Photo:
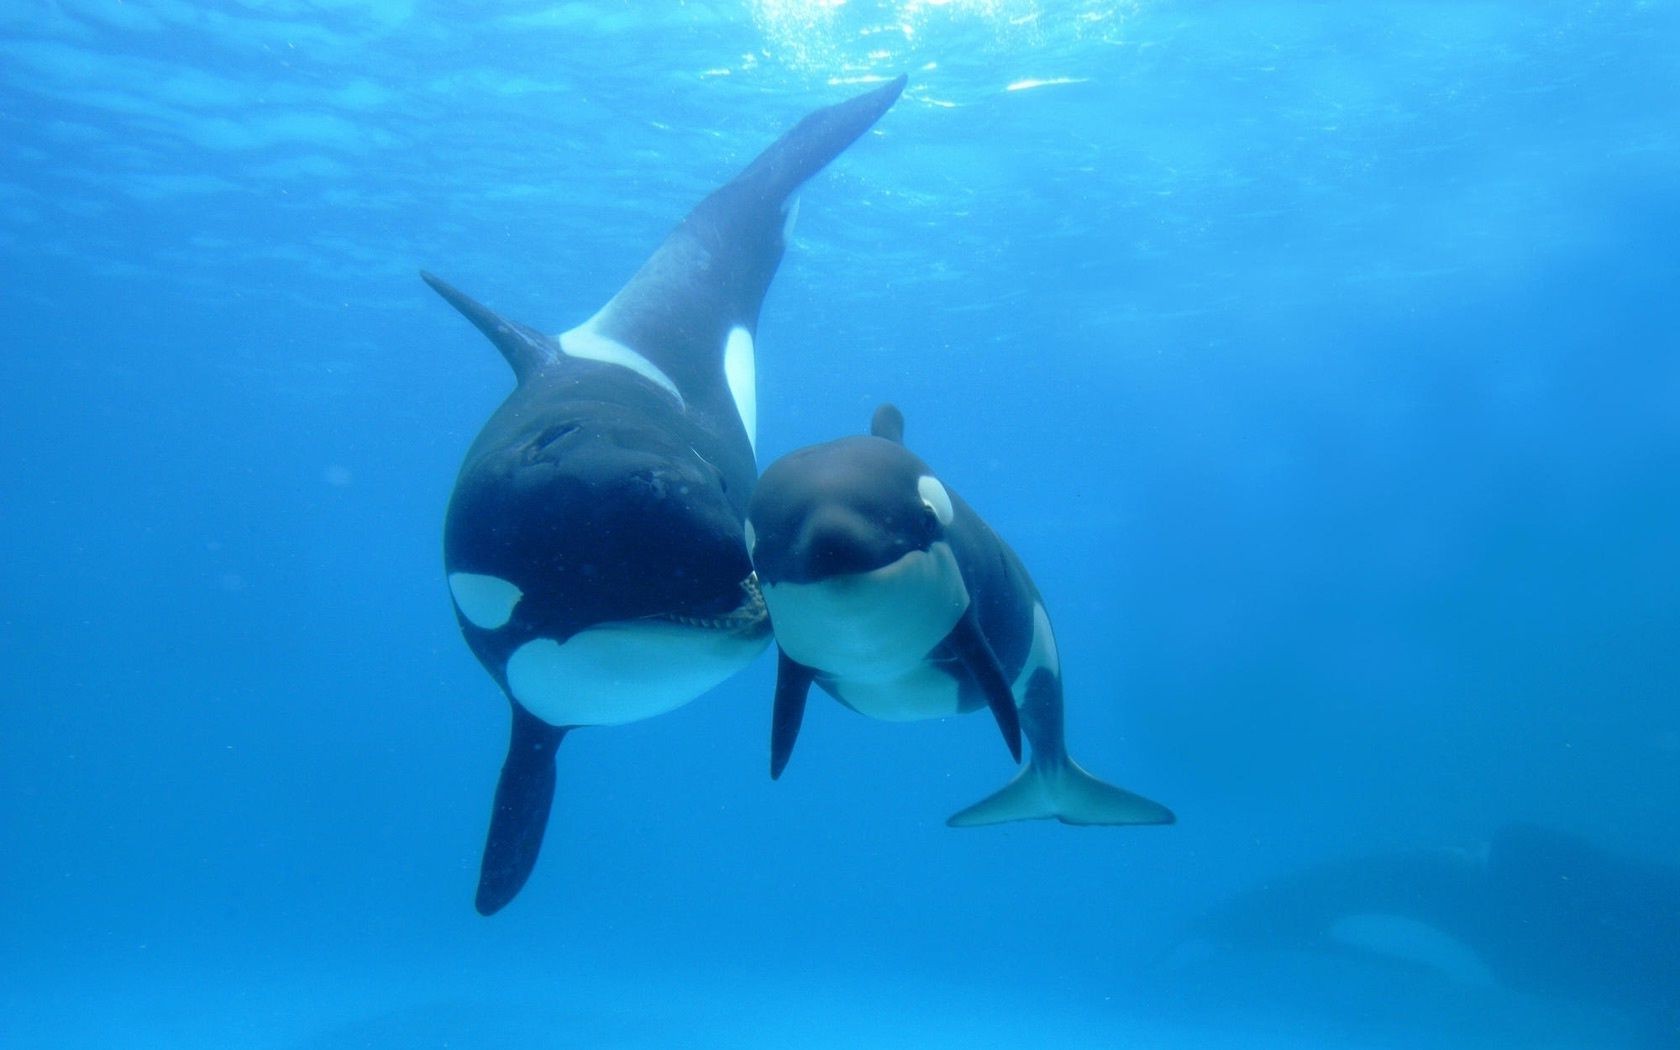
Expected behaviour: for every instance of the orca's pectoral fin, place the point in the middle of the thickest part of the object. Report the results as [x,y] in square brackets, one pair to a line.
[971,647]
[525,348]
[519,815]
[793,685]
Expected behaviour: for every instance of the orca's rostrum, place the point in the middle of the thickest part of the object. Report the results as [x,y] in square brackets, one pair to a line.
[593,542]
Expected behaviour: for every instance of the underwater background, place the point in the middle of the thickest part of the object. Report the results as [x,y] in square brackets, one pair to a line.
[1322,361]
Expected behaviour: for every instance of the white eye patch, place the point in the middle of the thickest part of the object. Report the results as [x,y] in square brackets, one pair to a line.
[486,601]
[752,539]
[935,498]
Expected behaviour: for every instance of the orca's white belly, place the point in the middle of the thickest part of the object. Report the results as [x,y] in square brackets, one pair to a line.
[614,673]
[923,692]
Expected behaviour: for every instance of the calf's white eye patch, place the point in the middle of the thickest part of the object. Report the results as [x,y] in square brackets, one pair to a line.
[752,539]
[935,498]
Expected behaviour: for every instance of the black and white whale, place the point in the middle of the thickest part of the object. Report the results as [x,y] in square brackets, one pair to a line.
[593,542]
[1531,910]
[889,592]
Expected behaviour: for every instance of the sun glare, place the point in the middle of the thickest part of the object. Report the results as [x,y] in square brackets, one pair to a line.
[857,40]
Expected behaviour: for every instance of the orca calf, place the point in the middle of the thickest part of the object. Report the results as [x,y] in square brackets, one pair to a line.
[887,591]
[593,542]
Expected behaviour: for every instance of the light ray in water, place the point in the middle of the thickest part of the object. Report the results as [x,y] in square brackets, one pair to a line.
[1030,82]
[848,37]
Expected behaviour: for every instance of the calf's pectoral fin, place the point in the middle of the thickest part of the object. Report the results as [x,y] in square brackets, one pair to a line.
[519,815]
[793,685]
[971,648]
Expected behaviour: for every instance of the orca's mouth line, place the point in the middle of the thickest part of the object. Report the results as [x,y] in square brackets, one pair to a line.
[751,613]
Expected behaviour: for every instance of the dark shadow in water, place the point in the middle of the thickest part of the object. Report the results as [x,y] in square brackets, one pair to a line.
[1539,932]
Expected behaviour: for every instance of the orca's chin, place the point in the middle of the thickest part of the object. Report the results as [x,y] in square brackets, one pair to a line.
[871,626]
[626,670]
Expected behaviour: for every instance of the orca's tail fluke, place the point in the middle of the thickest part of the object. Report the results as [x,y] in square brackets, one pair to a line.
[1059,789]
[711,273]
[743,225]
[815,141]
[519,816]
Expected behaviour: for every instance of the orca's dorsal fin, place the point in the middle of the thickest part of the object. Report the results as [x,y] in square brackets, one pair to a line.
[888,423]
[525,348]
[680,311]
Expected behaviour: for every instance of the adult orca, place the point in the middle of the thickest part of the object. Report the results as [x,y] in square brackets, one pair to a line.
[593,542]
[1531,910]
[890,593]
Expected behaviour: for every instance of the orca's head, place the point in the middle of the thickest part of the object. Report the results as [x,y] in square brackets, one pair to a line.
[594,528]
[846,507]
[849,541]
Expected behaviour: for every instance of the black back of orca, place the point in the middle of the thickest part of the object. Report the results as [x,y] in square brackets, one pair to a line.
[605,498]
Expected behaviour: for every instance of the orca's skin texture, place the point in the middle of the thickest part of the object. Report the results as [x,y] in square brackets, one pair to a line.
[593,541]
[891,594]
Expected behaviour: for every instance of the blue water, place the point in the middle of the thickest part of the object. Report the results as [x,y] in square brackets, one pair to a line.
[1319,359]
